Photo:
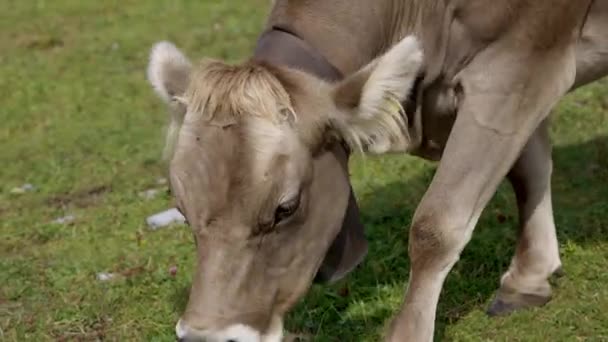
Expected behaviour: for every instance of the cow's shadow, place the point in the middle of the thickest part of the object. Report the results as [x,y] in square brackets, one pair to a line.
[580,188]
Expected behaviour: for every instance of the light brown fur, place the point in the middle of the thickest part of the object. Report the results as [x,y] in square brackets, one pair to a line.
[490,82]
[223,94]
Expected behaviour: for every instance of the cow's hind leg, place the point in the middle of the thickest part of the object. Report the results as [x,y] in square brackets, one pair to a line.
[526,283]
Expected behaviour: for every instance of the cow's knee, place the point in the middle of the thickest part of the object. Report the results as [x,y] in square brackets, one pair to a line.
[437,236]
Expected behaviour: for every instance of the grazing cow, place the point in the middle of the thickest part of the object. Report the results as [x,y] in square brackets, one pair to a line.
[258,151]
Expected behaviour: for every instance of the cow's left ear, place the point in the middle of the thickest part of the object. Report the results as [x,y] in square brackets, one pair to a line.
[370,113]
[168,70]
[169,75]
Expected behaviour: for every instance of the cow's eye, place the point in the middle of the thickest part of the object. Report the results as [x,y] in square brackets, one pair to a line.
[286,209]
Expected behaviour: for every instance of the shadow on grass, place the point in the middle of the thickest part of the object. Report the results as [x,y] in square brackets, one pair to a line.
[580,197]
[180,298]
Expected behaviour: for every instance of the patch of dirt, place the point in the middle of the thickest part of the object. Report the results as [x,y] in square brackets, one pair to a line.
[297,337]
[344,291]
[133,271]
[3,299]
[93,331]
[604,104]
[500,216]
[81,199]
[3,209]
[122,271]
[41,42]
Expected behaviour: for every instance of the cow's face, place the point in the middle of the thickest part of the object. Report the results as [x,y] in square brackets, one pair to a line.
[255,171]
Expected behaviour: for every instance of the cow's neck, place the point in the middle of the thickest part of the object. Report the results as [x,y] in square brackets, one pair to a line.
[331,39]
[349,33]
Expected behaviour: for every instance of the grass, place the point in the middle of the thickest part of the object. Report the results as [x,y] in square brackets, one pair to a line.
[80,123]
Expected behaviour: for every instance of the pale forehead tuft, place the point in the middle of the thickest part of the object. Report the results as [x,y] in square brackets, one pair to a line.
[223,94]
[249,96]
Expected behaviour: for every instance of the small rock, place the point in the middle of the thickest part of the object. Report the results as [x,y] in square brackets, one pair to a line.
[115,46]
[161,181]
[105,276]
[64,220]
[149,194]
[27,187]
[165,218]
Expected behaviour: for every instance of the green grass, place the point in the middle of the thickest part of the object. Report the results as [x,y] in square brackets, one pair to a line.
[80,123]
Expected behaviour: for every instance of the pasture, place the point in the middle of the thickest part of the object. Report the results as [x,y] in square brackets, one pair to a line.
[81,124]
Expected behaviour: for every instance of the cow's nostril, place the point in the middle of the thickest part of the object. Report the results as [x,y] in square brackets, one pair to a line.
[232,340]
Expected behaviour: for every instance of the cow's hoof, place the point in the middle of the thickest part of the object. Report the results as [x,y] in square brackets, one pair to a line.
[506,303]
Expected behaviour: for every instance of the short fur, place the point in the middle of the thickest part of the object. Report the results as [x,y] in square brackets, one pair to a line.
[492,73]
[224,94]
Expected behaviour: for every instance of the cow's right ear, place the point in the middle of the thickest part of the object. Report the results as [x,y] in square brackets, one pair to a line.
[168,71]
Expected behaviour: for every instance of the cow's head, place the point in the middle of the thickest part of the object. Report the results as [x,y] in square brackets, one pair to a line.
[256,171]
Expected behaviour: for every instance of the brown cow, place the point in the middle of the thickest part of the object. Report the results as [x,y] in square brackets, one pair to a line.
[258,151]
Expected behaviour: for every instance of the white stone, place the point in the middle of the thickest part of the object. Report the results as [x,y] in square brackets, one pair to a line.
[165,218]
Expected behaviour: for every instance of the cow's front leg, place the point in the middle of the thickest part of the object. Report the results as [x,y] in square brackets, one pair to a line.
[536,258]
[499,112]
[474,163]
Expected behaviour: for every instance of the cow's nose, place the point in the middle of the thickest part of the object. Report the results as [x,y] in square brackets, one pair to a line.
[185,334]
[184,339]
[232,333]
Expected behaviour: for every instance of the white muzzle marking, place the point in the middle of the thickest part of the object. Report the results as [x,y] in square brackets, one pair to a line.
[235,332]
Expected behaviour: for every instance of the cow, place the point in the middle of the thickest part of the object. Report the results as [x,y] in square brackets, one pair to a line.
[258,151]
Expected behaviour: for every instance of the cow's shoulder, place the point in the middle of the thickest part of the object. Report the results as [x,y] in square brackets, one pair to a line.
[534,23]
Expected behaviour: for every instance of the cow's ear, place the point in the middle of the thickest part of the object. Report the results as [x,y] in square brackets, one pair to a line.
[369,102]
[168,71]
[169,74]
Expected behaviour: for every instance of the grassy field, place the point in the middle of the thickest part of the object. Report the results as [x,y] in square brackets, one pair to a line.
[80,123]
